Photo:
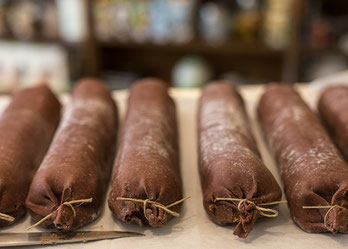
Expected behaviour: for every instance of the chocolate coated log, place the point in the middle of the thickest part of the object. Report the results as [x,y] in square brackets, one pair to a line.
[312,169]
[229,162]
[147,164]
[333,109]
[26,130]
[79,161]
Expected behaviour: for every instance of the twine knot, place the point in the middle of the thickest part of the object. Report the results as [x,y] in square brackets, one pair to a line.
[156,204]
[67,203]
[6,217]
[330,208]
[267,212]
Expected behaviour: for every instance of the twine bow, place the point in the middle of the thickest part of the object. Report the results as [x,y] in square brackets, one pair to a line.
[330,208]
[156,204]
[267,212]
[6,217]
[67,203]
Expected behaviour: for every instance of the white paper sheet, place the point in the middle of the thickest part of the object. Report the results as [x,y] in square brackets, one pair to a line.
[193,229]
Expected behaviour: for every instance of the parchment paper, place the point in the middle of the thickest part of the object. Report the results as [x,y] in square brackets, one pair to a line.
[193,229]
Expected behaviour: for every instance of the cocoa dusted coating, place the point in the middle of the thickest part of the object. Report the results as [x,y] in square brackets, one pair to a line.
[312,169]
[333,109]
[79,161]
[27,127]
[147,164]
[229,162]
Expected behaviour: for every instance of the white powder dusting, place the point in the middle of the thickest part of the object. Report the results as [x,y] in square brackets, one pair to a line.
[81,115]
[148,134]
[224,132]
[90,107]
[298,139]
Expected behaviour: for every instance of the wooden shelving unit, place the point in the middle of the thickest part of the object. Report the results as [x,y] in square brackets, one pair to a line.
[335,15]
[159,60]
[232,47]
[253,60]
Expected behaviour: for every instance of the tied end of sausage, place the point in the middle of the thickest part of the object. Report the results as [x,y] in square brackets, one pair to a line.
[322,209]
[133,213]
[337,220]
[226,213]
[14,209]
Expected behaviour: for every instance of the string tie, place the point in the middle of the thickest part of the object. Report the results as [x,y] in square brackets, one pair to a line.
[267,212]
[330,208]
[6,217]
[156,204]
[67,203]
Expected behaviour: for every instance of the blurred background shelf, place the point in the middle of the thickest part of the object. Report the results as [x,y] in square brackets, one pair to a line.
[36,40]
[158,60]
[236,40]
[201,47]
[185,42]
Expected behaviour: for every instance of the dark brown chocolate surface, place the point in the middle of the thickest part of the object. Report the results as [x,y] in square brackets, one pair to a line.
[312,169]
[333,109]
[27,127]
[147,164]
[79,161]
[229,162]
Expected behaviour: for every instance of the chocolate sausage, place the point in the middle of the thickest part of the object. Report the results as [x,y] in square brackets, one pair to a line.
[27,127]
[229,162]
[71,182]
[147,163]
[333,109]
[313,171]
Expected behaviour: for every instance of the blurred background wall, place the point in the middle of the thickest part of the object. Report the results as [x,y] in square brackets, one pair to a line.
[185,42]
